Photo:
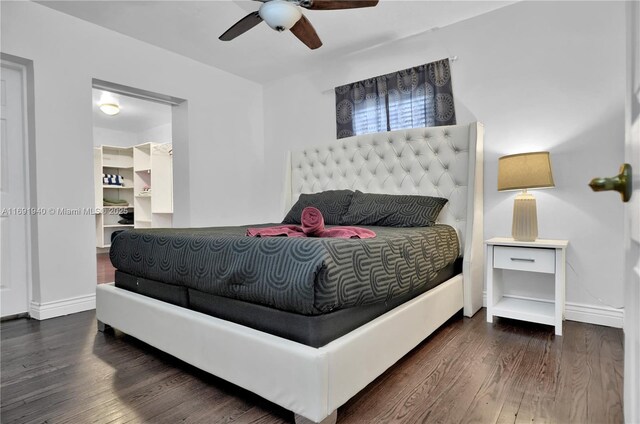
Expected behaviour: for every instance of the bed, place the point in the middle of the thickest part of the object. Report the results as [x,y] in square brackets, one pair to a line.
[312,373]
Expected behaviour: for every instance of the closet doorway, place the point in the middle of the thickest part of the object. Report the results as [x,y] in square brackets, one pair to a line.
[133,167]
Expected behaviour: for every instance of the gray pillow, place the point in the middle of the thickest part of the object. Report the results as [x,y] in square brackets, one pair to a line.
[390,210]
[332,203]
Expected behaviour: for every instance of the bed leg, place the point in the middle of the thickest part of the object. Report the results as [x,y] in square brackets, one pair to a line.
[331,419]
[102,327]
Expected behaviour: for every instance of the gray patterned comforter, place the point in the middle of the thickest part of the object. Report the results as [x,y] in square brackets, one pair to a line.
[305,275]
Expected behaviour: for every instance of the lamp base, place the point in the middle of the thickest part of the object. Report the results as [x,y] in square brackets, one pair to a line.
[525,218]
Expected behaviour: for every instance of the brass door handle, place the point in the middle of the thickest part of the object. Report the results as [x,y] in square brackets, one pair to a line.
[622,183]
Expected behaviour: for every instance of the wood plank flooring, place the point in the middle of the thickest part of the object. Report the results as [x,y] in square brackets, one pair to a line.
[63,371]
[106,271]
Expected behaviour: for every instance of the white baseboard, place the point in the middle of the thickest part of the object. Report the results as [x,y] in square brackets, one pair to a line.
[62,307]
[601,315]
[591,314]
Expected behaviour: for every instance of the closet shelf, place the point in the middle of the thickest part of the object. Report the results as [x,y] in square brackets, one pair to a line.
[116,167]
[117,207]
[144,165]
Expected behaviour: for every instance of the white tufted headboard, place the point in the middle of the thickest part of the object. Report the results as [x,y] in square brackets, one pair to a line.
[434,161]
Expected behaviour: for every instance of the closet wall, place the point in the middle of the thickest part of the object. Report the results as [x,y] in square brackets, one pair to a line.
[110,137]
[120,138]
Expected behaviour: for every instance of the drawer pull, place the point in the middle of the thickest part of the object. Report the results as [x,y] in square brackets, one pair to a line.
[523,259]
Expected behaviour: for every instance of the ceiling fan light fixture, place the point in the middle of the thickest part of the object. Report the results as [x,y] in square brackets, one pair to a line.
[280,14]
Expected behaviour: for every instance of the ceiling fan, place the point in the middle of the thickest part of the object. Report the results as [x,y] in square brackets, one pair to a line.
[283,15]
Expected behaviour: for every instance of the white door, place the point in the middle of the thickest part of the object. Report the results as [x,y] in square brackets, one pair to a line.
[632,222]
[13,221]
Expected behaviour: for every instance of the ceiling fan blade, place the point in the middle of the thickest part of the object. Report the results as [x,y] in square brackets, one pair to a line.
[337,4]
[305,33]
[242,26]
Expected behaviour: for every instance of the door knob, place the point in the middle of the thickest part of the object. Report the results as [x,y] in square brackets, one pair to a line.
[622,183]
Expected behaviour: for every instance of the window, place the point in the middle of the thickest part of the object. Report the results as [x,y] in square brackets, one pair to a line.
[421,96]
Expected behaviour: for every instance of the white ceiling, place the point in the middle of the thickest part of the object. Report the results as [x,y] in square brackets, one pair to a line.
[192,28]
[135,115]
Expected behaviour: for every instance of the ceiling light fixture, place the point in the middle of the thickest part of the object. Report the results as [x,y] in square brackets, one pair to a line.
[279,14]
[109,108]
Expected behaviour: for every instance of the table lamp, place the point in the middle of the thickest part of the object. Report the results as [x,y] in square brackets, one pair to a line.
[521,172]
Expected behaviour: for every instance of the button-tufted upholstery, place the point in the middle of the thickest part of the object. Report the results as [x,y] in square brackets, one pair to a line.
[435,161]
[428,161]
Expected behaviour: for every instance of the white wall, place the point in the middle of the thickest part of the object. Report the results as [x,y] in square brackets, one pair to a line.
[109,137]
[540,76]
[158,134]
[225,137]
[546,75]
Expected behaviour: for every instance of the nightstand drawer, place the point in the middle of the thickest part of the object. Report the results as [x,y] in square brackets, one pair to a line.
[524,259]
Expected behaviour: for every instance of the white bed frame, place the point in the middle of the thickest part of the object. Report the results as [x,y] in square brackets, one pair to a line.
[314,382]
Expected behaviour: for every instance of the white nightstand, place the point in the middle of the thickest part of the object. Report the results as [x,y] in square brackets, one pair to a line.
[546,256]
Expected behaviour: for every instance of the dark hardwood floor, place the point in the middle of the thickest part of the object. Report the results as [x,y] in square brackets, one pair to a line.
[63,371]
[106,271]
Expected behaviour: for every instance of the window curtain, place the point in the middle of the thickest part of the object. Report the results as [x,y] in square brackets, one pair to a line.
[421,96]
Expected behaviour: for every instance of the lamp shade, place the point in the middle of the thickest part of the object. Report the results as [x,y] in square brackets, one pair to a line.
[525,170]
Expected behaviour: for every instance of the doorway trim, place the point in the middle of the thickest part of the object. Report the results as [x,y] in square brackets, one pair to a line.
[137,93]
[179,136]
[25,67]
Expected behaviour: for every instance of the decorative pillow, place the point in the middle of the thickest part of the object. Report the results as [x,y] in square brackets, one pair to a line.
[332,203]
[390,210]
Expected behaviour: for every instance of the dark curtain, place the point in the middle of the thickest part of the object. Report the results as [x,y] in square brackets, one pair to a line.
[421,96]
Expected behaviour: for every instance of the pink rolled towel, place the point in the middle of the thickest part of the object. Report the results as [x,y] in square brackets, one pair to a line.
[312,221]
[312,226]
[277,231]
[347,232]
